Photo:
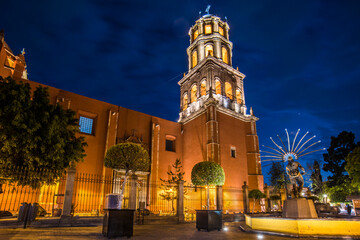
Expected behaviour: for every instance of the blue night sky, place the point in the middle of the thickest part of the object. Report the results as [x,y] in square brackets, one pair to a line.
[301,58]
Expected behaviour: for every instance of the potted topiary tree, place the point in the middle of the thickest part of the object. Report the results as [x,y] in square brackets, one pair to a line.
[256,195]
[208,174]
[130,157]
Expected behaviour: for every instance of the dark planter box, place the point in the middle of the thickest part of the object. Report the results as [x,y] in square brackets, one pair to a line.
[209,219]
[118,223]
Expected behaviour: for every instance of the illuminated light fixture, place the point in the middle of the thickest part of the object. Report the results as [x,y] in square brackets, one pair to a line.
[290,149]
[226,229]
[260,236]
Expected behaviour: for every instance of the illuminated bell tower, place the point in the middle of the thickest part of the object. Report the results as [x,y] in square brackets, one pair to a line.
[210,48]
[213,100]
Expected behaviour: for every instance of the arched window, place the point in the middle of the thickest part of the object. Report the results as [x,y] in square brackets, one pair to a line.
[193,94]
[194,59]
[238,96]
[228,90]
[208,29]
[225,55]
[185,101]
[221,30]
[196,34]
[217,87]
[203,88]
[209,50]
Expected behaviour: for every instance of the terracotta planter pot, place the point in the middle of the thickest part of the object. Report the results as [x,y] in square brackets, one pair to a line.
[209,219]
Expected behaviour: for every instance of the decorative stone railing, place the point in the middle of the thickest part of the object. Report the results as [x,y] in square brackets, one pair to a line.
[223,102]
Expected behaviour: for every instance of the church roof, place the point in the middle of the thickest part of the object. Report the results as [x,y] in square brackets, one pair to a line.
[8,48]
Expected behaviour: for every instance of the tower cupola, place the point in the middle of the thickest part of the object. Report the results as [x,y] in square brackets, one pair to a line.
[209,37]
[211,77]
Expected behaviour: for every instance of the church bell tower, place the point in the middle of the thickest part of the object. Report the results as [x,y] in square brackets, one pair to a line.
[212,106]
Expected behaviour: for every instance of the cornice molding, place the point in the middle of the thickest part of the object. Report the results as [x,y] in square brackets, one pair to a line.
[210,60]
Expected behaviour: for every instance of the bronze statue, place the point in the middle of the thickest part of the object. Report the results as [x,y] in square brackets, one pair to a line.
[292,169]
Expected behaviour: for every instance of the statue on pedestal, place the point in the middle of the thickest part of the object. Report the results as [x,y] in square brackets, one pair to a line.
[296,179]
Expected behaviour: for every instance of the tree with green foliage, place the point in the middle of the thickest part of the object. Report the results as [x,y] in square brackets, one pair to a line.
[340,147]
[256,194]
[128,156]
[277,176]
[316,179]
[207,174]
[339,193]
[170,186]
[353,167]
[338,185]
[36,137]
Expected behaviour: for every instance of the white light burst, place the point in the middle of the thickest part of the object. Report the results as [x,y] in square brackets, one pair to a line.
[283,151]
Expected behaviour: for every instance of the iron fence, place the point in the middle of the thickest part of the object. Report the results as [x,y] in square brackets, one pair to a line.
[163,199]
[90,191]
[49,197]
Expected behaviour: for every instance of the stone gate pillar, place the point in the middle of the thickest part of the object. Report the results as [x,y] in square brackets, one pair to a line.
[69,190]
[268,201]
[219,198]
[245,188]
[180,201]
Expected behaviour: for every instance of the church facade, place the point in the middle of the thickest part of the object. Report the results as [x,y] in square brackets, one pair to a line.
[214,123]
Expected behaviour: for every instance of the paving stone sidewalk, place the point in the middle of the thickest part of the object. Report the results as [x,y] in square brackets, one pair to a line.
[158,232]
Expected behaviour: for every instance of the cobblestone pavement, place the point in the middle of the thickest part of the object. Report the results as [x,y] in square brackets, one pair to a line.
[173,231]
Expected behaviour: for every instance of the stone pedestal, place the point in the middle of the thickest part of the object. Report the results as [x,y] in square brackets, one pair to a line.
[299,208]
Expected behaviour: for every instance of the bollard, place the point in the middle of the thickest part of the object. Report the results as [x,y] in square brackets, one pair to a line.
[22,211]
[27,214]
[33,211]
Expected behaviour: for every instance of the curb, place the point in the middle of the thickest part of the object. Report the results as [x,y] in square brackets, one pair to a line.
[243,227]
[53,222]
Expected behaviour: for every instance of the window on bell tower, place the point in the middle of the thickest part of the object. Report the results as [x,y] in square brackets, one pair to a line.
[185,101]
[194,59]
[196,34]
[221,31]
[193,94]
[208,29]
[238,96]
[225,55]
[217,87]
[228,90]
[203,88]
[209,50]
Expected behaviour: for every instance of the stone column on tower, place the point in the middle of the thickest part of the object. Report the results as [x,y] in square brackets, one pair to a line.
[212,146]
